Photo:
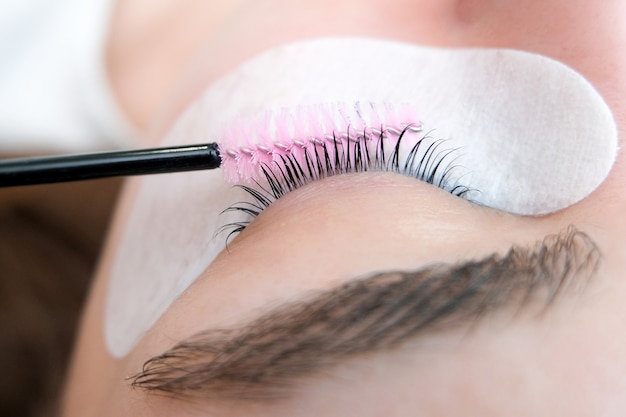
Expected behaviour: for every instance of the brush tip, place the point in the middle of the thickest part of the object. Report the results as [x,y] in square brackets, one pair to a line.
[253,143]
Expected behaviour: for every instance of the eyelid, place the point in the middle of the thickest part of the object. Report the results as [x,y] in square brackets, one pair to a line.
[427,160]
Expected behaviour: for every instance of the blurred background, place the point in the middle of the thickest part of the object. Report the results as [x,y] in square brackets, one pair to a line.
[55,98]
[50,237]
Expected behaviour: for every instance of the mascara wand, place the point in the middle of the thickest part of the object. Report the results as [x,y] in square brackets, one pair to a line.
[45,170]
[244,153]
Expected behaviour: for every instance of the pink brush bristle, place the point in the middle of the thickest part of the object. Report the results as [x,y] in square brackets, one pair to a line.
[248,144]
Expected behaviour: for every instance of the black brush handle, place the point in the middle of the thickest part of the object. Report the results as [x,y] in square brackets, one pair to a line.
[46,170]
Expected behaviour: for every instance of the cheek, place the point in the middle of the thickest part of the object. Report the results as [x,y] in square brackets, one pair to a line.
[264,24]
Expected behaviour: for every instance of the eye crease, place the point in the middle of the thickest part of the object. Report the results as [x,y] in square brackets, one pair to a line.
[369,150]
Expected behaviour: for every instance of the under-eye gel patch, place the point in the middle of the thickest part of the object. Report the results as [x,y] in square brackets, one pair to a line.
[533,137]
[533,134]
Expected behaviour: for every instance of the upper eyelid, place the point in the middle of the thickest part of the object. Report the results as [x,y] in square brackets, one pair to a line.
[427,160]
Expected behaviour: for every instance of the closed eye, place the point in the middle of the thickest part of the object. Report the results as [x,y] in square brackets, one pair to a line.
[424,158]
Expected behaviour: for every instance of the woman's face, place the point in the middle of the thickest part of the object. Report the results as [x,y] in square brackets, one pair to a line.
[286,329]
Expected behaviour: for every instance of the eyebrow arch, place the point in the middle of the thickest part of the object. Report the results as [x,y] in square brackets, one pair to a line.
[266,357]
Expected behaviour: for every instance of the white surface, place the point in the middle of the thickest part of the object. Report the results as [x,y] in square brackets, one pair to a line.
[55,95]
[536,137]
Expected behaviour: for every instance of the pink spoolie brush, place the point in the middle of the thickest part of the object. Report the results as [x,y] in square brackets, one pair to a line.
[248,146]
[270,139]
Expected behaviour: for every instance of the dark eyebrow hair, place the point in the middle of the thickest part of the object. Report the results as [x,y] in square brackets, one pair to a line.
[265,358]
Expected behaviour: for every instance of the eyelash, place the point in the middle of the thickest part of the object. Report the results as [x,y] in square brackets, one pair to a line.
[433,165]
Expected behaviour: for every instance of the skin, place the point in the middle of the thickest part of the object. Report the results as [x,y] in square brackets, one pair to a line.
[569,362]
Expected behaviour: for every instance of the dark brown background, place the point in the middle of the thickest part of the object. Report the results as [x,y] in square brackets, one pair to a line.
[50,237]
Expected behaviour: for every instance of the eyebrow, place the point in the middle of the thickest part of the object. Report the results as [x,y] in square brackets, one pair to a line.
[265,358]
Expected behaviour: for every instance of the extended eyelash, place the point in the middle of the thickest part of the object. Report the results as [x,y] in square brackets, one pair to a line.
[348,154]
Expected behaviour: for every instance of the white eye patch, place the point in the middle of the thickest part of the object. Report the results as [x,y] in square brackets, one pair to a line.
[533,136]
